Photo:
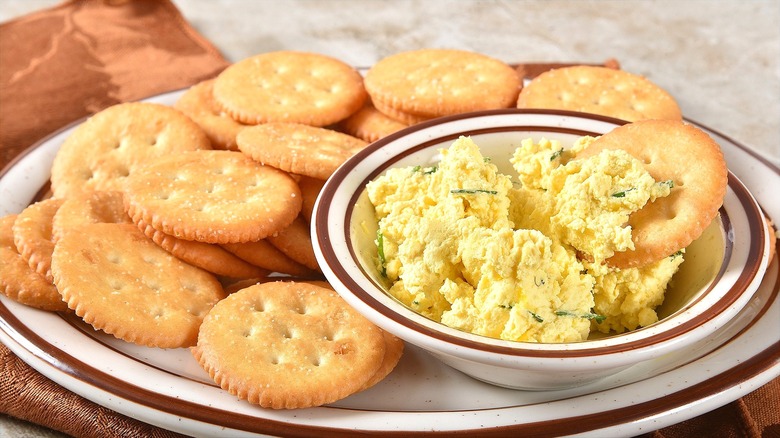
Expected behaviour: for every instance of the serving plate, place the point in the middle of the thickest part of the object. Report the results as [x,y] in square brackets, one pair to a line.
[167,388]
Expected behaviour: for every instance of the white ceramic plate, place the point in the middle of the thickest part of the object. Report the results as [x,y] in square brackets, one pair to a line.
[167,388]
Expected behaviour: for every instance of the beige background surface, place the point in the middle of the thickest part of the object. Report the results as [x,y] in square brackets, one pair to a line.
[719,58]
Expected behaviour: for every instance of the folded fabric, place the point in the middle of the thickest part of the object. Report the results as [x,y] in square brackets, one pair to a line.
[60,64]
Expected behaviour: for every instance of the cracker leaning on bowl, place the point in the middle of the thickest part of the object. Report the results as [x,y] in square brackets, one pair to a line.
[689,158]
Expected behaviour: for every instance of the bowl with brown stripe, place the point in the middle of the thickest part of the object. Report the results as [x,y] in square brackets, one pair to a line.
[721,271]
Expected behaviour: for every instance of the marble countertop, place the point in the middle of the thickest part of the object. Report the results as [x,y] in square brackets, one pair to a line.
[721,60]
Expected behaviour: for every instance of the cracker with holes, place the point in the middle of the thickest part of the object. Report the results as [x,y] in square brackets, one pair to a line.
[120,282]
[18,281]
[89,208]
[600,90]
[394,346]
[289,86]
[212,196]
[288,345]
[33,235]
[109,146]
[422,84]
[198,103]
[693,163]
[300,149]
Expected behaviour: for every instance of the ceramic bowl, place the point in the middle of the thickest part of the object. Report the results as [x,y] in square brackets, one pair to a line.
[721,271]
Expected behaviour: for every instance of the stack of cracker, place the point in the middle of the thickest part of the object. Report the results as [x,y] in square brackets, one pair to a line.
[159,213]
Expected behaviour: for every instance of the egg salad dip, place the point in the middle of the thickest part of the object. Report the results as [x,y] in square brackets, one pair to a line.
[520,257]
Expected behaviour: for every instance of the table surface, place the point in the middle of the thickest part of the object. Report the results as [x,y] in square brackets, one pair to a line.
[719,59]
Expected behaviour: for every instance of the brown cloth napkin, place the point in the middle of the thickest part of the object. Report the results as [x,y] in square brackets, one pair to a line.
[64,63]
[60,64]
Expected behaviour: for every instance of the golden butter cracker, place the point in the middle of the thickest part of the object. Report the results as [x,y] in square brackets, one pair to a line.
[436,82]
[18,281]
[263,254]
[310,190]
[295,242]
[299,149]
[213,197]
[33,235]
[289,86]
[288,345]
[400,116]
[370,124]
[600,90]
[394,349]
[89,207]
[198,103]
[207,256]
[122,283]
[694,165]
[108,147]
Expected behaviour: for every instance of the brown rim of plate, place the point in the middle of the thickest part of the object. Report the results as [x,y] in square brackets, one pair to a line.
[74,368]
[755,216]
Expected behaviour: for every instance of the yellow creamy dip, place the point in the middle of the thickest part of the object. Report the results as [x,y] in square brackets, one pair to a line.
[463,244]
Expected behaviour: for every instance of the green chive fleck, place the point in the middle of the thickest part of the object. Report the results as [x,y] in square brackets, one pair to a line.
[675,255]
[536,317]
[594,316]
[623,193]
[430,170]
[416,168]
[556,154]
[472,191]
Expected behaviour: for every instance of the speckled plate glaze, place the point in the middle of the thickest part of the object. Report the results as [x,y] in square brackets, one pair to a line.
[167,388]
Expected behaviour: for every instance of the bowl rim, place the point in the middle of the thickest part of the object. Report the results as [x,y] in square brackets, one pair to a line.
[404,324]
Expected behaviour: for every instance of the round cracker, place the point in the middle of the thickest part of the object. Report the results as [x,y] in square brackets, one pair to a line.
[89,208]
[289,86]
[198,103]
[287,345]
[299,149]
[120,282]
[310,190]
[600,90]
[295,242]
[436,82]
[394,349]
[207,256]
[213,197]
[370,124]
[400,116]
[677,151]
[18,281]
[109,146]
[33,235]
